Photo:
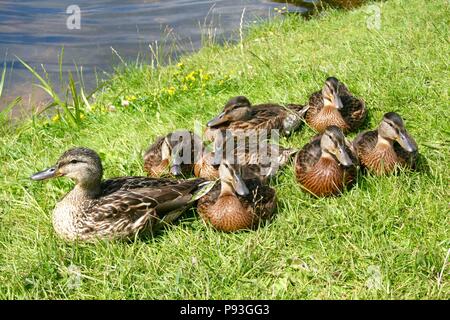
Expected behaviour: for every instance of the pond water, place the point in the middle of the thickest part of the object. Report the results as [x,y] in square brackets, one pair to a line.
[95,33]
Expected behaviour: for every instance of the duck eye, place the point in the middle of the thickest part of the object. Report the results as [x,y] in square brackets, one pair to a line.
[74,161]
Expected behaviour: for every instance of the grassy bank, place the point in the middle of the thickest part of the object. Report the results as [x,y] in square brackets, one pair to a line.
[386,238]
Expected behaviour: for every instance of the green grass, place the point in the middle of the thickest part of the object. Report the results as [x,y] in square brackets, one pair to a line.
[395,228]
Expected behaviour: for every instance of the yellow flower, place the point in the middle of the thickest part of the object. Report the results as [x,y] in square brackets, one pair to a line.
[82,116]
[191,76]
[56,118]
[171,91]
[205,76]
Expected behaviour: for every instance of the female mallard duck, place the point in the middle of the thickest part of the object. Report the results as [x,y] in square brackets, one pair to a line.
[174,153]
[116,208]
[265,159]
[334,105]
[240,116]
[238,202]
[381,150]
[326,164]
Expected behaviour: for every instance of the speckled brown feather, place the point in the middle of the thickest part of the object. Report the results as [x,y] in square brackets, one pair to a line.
[350,118]
[322,176]
[263,117]
[247,157]
[153,164]
[156,167]
[381,158]
[129,205]
[232,212]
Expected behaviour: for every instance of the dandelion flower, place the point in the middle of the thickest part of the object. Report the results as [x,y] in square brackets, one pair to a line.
[171,91]
[56,118]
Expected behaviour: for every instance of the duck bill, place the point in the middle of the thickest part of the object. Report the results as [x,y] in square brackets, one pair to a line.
[220,119]
[45,174]
[177,160]
[337,101]
[239,186]
[343,157]
[405,141]
[176,170]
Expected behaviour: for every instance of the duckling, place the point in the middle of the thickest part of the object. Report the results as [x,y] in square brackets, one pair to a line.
[118,208]
[239,116]
[335,105]
[174,154]
[381,150]
[263,158]
[237,203]
[326,164]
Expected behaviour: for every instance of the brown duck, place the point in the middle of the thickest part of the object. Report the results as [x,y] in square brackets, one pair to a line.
[334,105]
[326,164]
[118,208]
[264,159]
[237,203]
[173,154]
[382,150]
[240,116]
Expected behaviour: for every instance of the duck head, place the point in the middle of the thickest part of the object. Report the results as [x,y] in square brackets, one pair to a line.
[236,109]
[82,165]
[330,93]
[333,144]
[231,180]
[392,128]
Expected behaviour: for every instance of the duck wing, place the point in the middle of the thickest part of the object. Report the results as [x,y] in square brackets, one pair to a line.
[354,111]
[262,199]
[153,156]
[130,209]
[308,156]
[365,142]
[129,183]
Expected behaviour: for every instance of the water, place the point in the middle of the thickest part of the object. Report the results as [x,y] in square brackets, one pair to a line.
[35,31]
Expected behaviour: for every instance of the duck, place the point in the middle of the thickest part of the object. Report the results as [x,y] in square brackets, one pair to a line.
[327,164]
[388,147]
[335,105]
[173,154]
[118,208]
[239,116]
[240,202]
[263,158]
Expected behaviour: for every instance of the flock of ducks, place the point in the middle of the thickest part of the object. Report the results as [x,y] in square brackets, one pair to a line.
[124,207]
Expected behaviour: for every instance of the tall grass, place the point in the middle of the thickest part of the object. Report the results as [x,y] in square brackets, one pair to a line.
[74,102]
[5,112]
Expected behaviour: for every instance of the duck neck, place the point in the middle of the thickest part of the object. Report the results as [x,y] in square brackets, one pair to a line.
[384,143]
[226,190]
[86,191]
[326,156]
